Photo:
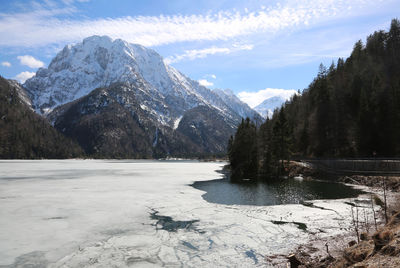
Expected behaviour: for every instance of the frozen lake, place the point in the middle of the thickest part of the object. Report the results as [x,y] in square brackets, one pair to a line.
[100,213]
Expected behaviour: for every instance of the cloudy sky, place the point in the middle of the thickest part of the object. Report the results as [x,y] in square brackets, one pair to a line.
[257,48]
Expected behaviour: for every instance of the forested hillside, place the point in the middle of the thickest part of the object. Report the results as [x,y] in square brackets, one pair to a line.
[25,134]
[351,109]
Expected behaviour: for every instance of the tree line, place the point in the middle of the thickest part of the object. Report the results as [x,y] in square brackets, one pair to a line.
[351,109]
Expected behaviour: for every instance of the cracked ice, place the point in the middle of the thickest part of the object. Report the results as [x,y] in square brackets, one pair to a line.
[99,213]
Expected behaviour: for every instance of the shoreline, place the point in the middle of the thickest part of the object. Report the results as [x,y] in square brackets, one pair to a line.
[323,247]
[334,251]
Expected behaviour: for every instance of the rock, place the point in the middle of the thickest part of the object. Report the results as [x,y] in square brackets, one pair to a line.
[326,261]
[352,243]
[364,237]
[294,262]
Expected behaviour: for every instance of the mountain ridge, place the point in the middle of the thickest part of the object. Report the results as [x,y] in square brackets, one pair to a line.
[99,62]
[127,83]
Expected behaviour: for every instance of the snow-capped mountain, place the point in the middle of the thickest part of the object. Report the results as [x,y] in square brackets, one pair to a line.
[100,62]
[137,85]
[237,105]
[267,107]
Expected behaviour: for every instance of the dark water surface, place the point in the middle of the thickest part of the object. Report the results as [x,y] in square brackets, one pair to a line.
[288,191]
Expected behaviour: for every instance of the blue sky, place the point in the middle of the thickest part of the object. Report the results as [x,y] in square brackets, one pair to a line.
[256,48]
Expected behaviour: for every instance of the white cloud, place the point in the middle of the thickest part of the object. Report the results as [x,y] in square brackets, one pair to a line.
[205,83]
[42,26]
[22,77]
[212,76]
[6,64]
[202,53]
[255,98]
[30,61]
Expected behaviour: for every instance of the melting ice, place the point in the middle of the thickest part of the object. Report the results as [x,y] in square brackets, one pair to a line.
[122,213]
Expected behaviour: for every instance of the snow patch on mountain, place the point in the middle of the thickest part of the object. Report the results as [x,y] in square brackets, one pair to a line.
[177,121]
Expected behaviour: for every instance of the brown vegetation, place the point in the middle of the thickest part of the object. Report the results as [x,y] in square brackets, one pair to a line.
[382,250]
[376,246]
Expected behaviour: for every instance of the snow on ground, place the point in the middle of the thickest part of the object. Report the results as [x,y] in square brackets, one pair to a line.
[99,213]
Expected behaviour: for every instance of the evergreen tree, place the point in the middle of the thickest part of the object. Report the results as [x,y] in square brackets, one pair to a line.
[267,165]
[24,134]
[349,110]
[243,153]
[280,147]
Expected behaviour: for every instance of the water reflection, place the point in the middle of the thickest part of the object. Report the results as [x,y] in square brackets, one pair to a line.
[289,191]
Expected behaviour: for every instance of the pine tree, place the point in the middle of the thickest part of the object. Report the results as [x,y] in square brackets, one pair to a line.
[243,153]
[350,110]
[280,143]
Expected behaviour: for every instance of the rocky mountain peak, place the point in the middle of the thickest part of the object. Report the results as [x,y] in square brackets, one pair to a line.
[267,107]
[99,61]
[122,100]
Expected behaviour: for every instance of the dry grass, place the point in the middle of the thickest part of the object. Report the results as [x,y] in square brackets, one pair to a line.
[382,238]
[379,249]
[382,250]
[359,252]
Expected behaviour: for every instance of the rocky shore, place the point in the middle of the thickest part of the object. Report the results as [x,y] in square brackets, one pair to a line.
[368,244]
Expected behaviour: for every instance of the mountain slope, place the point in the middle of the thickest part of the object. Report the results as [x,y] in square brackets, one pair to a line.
[206,128]
[105,125]
[23,133]
[242,109]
